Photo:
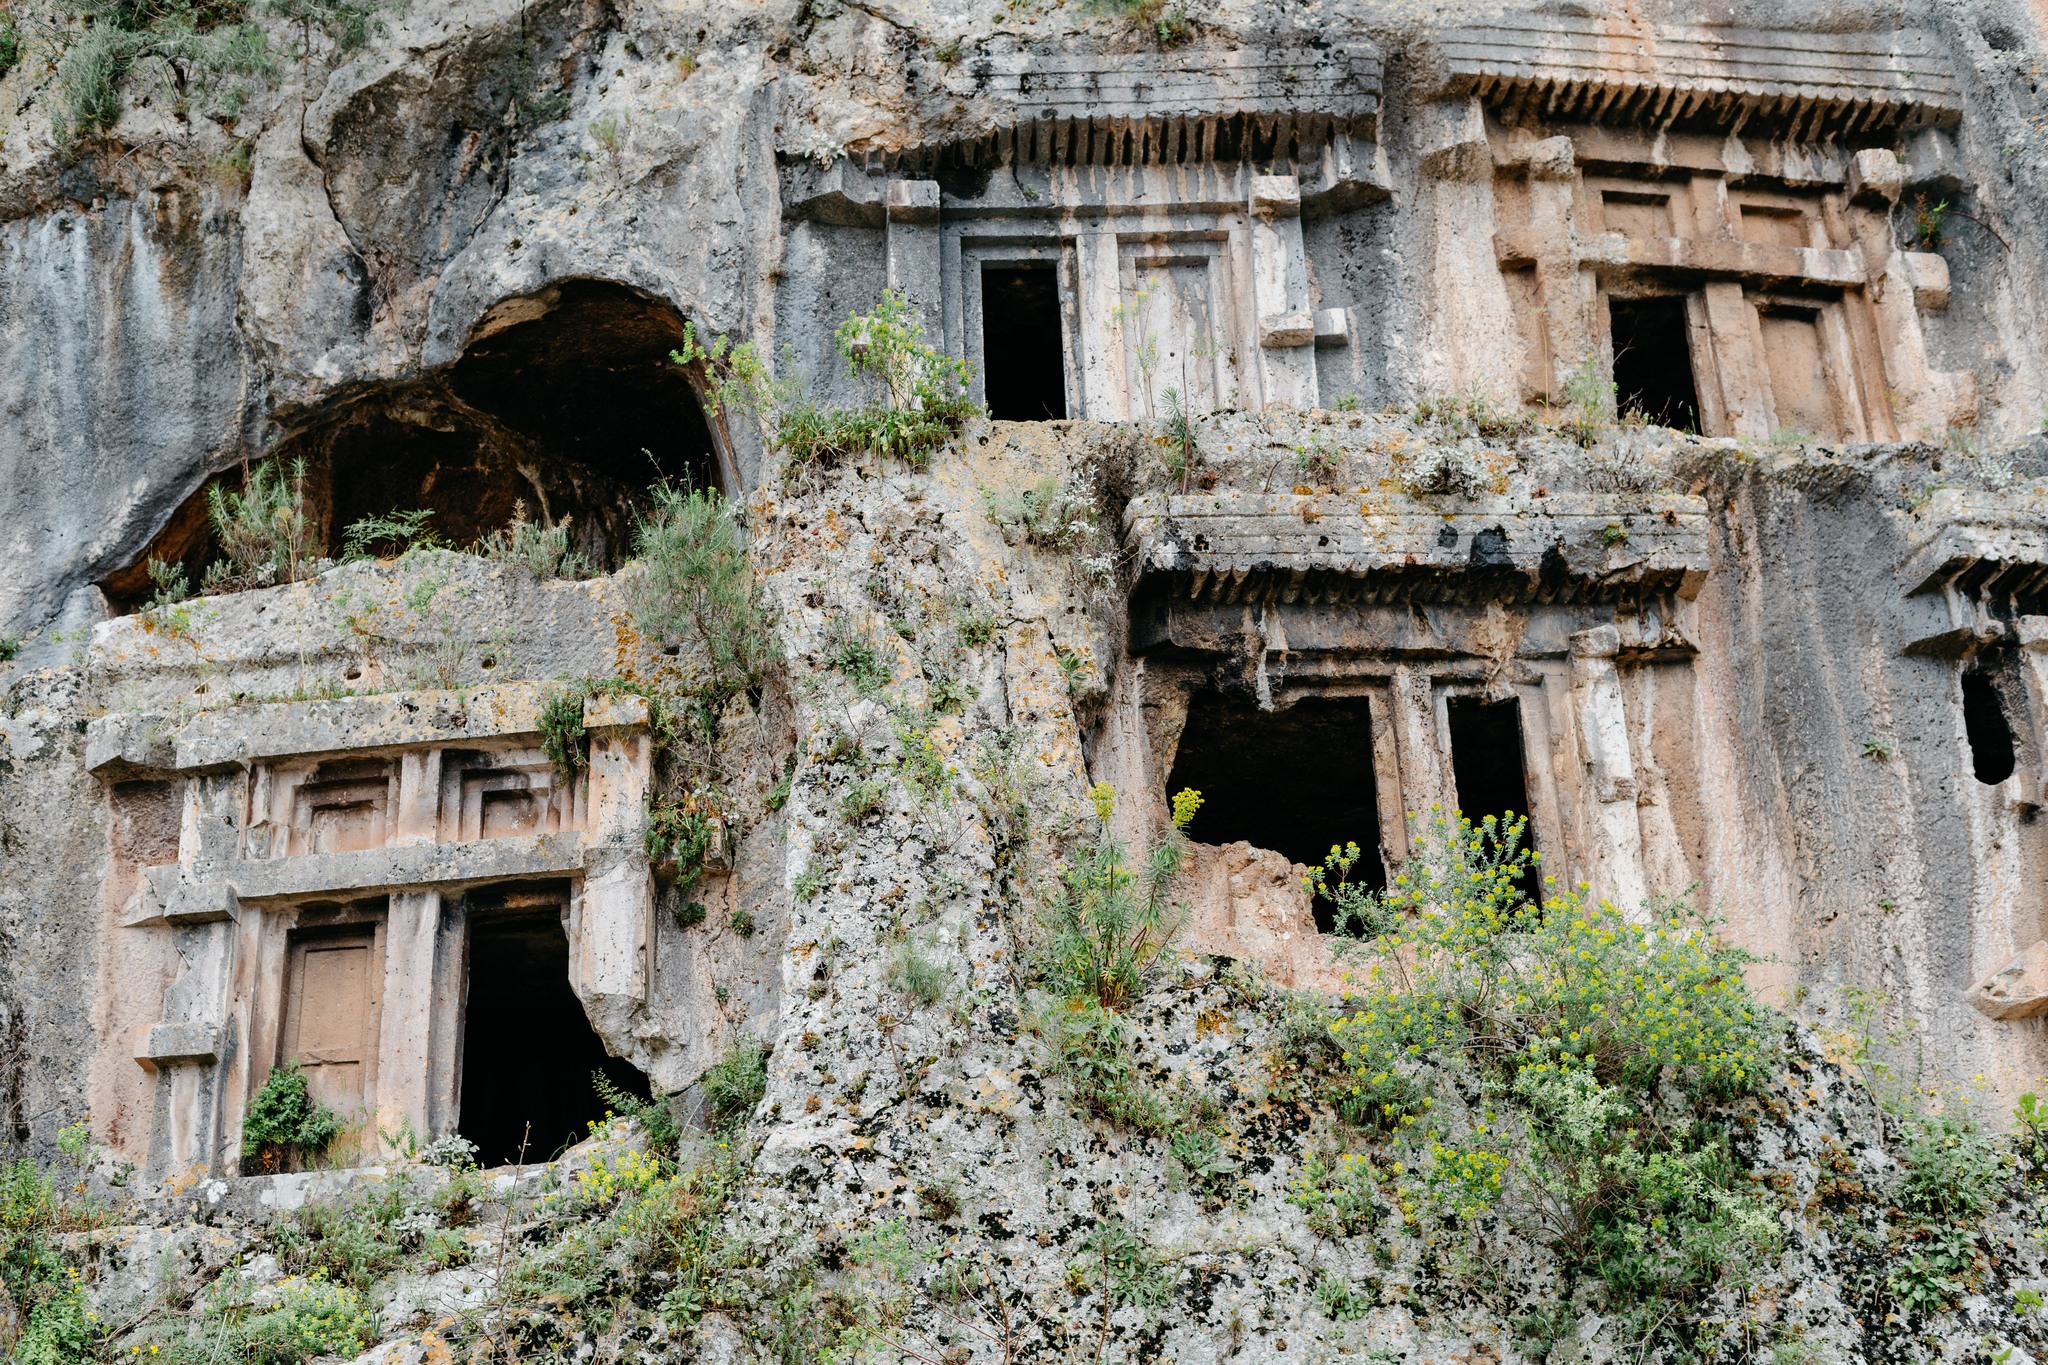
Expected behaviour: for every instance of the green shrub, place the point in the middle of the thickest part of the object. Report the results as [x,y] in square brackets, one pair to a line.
[699,586]
[735,1084]
[921,404]
[10,43]
[562,735]
[924,979]
[313,1317]
[1951,1170]
[684,831]
[543,550]
[282,1123]
[1611,1040]
[10,646]
[392,535]
[657,1120]
[262,529]
[1109,921]
[60,1329]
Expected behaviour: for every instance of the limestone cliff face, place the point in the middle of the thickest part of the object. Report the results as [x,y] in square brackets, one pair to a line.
[165,320]
[1332,487]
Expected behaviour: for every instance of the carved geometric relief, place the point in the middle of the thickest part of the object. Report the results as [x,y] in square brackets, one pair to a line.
[344,806]
[504,794]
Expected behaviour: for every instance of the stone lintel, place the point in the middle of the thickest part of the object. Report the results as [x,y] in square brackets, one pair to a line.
[120,746]
[1757,262]
[1232,545]
[392,720]
[179,898]
[398,867]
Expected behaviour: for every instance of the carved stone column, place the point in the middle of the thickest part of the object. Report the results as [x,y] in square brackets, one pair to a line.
[1615,857]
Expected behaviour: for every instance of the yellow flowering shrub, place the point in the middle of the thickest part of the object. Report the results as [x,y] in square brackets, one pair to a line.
[1609,1038]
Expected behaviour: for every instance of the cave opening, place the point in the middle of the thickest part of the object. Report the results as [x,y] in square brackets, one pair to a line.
[1489,769]
[1023,355]
[1653,376]
[528,1050]
[1992,757]
[1298,781]
[563,407]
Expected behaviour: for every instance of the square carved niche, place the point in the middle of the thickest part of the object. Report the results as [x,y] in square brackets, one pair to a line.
[344,805]
[505,794]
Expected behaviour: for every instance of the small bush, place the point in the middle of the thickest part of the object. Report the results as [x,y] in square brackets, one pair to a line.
[1440,471]
[733,1087]
[1472,412]
[562,735]
[656,1119]
[924,979]
[700,587]
[313,1317]
[1044,517]
[283,1126]
[1615,1038]
[684,830]
[395,534]
[921,405]
[544,551]
[1110,921]
[262,529]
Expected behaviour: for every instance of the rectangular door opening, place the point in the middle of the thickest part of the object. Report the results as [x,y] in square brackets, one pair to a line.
[1653,376]
[1487,764]
[528,1051]
[1023,355]
[1298,781]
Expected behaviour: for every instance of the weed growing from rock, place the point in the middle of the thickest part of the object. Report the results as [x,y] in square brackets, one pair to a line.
[700,587]
[262,529]
[921,405]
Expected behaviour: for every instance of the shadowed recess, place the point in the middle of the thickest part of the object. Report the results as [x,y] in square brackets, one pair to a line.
[1297,781]
[564,406]
[528,1051]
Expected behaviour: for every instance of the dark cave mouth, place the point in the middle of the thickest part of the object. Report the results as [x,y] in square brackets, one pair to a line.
[564,407]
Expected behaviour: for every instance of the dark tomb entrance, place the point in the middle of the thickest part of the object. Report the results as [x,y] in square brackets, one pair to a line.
[1653,362]
[1297,781]
[1984,723]
[528,1050]
[1487,764]
[1023,356]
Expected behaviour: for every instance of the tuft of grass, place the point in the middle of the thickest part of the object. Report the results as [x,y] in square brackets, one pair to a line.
[401,531]
[700,587]
[733,1087]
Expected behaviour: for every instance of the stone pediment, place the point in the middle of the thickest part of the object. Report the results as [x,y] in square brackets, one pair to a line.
[1564,68]
[1228,547]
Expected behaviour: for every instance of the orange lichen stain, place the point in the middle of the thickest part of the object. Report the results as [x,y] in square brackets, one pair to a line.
[1211,1021]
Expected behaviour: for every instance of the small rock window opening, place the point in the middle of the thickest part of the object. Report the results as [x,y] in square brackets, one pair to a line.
[1487,764]
[1022,351]
[1297,781]
[1653,362]
[528,1052]
[1991,750]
